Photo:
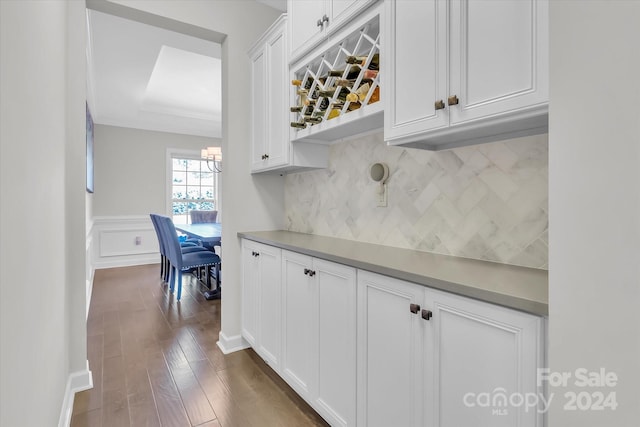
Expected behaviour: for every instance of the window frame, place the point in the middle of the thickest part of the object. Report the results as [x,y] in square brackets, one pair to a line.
[191,155]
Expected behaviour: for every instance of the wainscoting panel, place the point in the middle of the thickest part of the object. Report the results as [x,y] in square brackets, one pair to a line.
[120,241]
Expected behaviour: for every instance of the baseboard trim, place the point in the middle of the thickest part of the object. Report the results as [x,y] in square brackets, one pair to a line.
[77,382]
[127,261]
[231,344]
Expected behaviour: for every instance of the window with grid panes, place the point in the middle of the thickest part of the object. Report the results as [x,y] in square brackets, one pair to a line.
[193,186]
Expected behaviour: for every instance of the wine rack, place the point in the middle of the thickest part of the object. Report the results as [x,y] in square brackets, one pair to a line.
[337,93]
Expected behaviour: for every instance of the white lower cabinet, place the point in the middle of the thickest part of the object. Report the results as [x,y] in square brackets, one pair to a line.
[369,350]
[390,362]
[261,296]
[430,358]
[319,335]
[476,350]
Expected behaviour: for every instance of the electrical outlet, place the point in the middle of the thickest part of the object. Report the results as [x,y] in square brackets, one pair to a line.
[382,196]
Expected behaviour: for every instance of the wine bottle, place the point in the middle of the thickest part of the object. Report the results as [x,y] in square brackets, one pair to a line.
[312,120]
[369,74]
[296,82]
[296,109]
[351,82]
[303,93]
[324,104]
[353,72]
[328,93]
[298,125]
[333,113]
[361,60]
[375,96]
[362,91]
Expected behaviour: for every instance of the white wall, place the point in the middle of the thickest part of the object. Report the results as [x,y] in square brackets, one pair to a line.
[42,325]
[130,168]
[248,202]
[594,203]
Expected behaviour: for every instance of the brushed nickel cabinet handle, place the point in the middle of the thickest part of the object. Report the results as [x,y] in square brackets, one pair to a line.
[427,314]
[453,100]
[414,308]
[439,104]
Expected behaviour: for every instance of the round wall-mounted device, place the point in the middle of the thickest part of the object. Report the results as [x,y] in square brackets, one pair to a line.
[379,172]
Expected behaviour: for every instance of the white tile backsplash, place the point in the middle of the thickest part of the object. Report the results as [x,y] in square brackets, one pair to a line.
[485,201]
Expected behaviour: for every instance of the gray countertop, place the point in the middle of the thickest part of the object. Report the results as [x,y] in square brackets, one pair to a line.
[521,288]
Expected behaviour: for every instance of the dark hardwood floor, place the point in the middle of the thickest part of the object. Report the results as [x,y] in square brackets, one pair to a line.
[155,362]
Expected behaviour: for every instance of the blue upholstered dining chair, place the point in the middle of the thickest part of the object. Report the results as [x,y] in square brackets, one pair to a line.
[186,247]
[181,261]
[164,260]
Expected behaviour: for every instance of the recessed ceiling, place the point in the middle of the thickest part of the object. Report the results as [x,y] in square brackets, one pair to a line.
[280,5]
[145,77]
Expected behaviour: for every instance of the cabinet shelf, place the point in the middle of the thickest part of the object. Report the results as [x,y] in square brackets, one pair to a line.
[346,104]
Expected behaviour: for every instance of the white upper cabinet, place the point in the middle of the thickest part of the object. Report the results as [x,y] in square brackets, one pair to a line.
[416,63]
[334,98]
[313,21]
[463,72]
[271,149]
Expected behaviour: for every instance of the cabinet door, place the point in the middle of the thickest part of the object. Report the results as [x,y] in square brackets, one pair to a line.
[303,19]
[476,348]
[390,346]
[269,300]
[499,52]
[415,65]
[258,110]
[250,285]
[342,11]
[275,81]
[299,295]
[335,311]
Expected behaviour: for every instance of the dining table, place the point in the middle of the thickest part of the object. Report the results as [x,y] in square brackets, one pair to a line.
[207,232]
[210,234]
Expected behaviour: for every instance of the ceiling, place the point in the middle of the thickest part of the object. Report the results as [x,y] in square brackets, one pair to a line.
[280,5]
[145,77]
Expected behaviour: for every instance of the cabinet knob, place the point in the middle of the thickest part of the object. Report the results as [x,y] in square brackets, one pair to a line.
[319,23]
[427,314]
[306,271]
[254,253]
[312,273]
[325,18]
[453,100]
[266,156]
[439,105]
[414,308]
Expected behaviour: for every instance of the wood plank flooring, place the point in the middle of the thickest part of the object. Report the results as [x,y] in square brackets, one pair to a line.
[155,362]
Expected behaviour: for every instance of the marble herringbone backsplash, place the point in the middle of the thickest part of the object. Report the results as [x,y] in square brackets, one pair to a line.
[485,201]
